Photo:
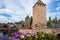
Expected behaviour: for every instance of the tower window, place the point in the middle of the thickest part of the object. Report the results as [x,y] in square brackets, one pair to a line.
[36,25]
[44,5]
[38,4]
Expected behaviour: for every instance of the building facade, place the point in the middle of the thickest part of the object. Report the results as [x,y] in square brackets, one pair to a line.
[39,15]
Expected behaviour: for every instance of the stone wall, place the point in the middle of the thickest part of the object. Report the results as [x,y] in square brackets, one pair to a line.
[41,30]
[49,31]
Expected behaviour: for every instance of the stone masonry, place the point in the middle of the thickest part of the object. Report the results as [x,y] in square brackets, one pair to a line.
[39,15]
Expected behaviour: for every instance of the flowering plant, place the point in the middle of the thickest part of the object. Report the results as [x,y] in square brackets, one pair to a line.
[32,36]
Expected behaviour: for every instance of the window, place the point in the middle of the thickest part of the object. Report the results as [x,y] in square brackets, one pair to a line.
[36,25]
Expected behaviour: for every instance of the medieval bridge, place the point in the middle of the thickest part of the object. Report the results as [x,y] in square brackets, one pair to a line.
[55,31]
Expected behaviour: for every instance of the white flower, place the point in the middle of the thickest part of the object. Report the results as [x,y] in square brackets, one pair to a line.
[28,35]
[22,36]
[42,35]
[36,36]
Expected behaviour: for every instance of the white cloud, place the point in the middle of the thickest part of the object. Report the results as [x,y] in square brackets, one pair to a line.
[58,4]
[18,9]
[46,1]
[53,15]
[58,8]
[3,19]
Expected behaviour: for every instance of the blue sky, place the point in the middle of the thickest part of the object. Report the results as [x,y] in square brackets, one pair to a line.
[16,10]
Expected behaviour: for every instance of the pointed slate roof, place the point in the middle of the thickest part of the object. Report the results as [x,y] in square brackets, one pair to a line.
[39,2]
[27,17]
[55,25]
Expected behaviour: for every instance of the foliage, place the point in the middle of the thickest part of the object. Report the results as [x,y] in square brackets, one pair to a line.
[5,25]
[20,22]
[31,21]
[58,36]
[58,21]
[55,20]
[49,23]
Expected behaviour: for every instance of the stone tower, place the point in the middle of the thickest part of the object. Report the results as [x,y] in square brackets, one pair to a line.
[27,21]
[39,15]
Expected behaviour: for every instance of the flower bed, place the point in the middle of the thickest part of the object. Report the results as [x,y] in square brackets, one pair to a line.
[30,36]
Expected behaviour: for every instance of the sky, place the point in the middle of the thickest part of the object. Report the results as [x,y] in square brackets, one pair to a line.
[17,10]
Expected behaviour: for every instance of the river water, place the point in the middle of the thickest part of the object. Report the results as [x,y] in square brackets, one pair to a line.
[4,36]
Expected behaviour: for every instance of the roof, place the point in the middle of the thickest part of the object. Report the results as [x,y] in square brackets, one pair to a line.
[27,17]
[55,25]
[39,2]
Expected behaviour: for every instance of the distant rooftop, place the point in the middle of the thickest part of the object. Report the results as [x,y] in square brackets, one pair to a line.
[55,25]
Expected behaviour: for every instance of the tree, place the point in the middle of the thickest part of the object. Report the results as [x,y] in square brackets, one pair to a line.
[49,23]
[50,19]
[21,22]
[58,21]
[5,25]
[31,21]
[55,20]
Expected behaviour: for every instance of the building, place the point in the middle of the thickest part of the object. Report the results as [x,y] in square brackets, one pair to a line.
[27,21]
[55,25]
[39,15]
